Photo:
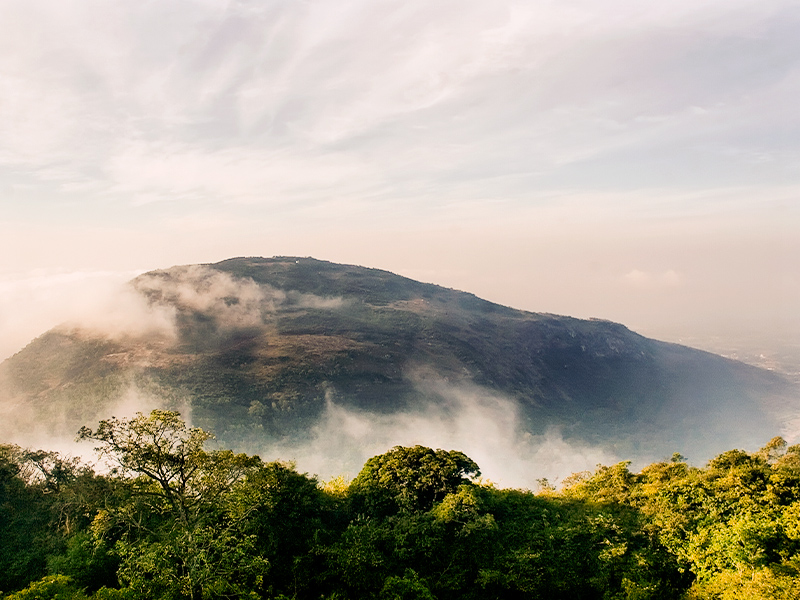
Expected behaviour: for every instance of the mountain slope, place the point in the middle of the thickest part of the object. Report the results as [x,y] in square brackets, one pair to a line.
[259,349]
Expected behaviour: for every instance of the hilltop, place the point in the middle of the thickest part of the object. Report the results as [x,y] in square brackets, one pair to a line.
[260,348]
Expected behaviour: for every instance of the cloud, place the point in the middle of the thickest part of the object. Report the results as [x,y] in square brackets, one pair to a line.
[231,302]
[649,280]
[180,172]
[275,102]
[33,302]
[463,417]
[105,303]
[560,139]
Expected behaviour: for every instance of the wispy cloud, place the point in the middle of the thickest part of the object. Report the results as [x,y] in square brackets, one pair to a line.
[445,137]
[463,417]
[237,101]
[668,279]
[33,302]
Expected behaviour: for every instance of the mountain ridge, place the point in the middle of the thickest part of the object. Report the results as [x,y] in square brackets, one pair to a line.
[258,348]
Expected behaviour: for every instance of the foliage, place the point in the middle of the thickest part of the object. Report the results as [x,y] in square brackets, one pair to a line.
[36,508]
[410,479]
[51,587]
[174,521]
[182,529]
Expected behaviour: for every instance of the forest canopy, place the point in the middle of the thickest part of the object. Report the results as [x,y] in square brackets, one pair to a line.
[173,519]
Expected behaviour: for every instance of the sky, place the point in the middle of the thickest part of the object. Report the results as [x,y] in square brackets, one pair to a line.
[621,159]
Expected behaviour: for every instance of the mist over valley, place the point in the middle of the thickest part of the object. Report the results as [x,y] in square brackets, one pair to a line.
[328,364]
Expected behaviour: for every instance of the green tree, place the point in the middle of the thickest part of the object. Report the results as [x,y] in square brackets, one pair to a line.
[26,532]
[51,587]
[178,530]
[410,479]
[286,515]
[408,587]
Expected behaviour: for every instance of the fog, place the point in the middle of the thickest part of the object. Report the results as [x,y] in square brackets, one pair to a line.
[482,424]
[106,303]
[455,415]
[22,428]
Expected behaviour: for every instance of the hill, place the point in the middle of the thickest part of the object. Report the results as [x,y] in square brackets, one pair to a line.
[258,349]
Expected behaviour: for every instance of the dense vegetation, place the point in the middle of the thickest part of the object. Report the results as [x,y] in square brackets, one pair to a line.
[173,519]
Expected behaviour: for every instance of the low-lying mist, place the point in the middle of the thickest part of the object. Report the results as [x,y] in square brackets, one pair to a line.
[160,305]
[21,425]
[461,416]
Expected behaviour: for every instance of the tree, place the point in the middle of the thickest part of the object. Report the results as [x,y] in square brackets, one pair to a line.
[179,534]
[286,511]
[410,479]
[26,537]
[51,587]
[162,450]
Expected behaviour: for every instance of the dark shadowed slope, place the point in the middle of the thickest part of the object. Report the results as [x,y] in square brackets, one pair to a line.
[259,347]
